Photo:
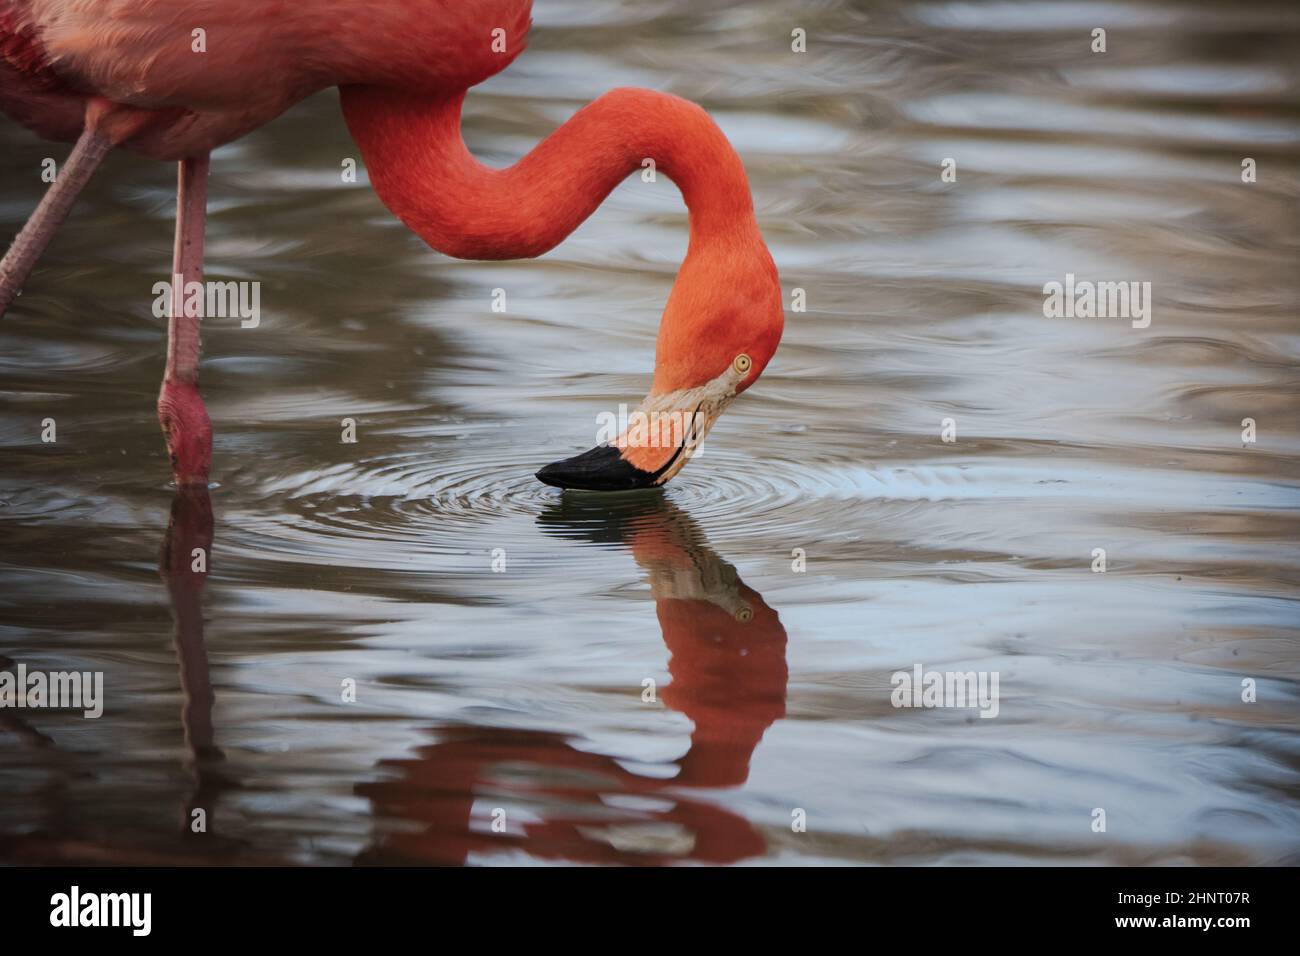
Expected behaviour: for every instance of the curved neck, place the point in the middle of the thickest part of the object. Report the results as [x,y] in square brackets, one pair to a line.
[421,169]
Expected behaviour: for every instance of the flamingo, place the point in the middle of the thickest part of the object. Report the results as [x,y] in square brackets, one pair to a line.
[104,74]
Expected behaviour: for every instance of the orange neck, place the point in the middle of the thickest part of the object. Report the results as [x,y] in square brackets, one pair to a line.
[422,170]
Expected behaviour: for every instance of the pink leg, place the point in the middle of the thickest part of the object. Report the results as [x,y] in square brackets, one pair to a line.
[54,206]
[181,412]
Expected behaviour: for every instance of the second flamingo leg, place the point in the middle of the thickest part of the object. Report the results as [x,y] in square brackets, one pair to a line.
[54,207]
[181,411]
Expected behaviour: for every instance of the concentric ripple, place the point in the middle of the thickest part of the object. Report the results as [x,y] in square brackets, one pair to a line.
[449,512]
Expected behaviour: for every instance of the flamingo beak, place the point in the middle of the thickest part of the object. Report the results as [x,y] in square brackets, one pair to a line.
[646,455]
[603,468]
[660,437]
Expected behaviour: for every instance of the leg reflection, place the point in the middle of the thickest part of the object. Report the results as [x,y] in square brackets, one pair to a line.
[67,837]
[183,566]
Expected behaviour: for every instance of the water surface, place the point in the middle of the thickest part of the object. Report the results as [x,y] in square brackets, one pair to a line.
[504,638]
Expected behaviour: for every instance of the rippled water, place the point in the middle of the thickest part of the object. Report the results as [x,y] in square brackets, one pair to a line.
[521,689]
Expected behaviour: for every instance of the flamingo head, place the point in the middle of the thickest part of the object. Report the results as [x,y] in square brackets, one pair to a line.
[721,327]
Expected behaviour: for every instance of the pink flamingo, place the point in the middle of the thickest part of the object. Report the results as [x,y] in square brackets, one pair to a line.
[173,80]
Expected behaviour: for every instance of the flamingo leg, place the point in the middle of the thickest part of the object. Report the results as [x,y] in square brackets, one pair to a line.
[181,411]
[86,155]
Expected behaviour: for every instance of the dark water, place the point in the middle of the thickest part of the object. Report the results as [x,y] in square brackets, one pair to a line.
[516,695]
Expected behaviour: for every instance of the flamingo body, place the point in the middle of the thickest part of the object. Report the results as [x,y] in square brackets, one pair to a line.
[173,79]
[258,59]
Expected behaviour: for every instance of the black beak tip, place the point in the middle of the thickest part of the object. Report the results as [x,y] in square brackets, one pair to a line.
[600,469]
[551,475]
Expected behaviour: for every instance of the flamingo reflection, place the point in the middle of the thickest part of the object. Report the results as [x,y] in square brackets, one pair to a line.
[728,669]
[64,837]
[183,566]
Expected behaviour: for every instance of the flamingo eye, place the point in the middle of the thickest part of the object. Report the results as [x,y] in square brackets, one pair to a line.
[742,363]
